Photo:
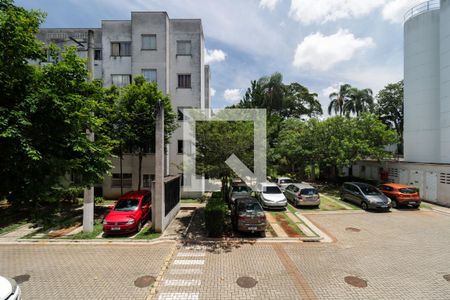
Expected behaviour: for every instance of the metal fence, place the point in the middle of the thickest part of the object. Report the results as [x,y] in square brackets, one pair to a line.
[422,8]
[172,194]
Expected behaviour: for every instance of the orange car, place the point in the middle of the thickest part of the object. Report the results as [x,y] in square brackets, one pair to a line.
[401,195]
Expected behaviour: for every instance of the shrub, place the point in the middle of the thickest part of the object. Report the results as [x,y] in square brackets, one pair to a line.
[99,200]
[215,213]
[216,195]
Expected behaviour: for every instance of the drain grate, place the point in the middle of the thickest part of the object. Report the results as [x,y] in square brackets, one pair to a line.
[22,278]
[144,281]
[447,277]
[246,282]
[352,229]
[355,281]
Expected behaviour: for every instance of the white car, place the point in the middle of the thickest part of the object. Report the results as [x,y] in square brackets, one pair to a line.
[9,289]
[283,182]
[270,196]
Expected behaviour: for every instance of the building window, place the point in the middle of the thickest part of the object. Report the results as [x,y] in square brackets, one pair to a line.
[147,180]
[127,180]
[149,75]
[180,147]
[121,49]
[149,42]
[183,47]
[184,81]
[98,54]
[121,80]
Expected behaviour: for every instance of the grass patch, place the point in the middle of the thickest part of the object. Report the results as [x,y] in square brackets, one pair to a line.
[424,205]
[11,227]
[147,234]
[98,228]
[288,225]
[190,200]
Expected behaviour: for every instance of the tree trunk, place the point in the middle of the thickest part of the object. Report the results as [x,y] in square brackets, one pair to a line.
[313,171]
[140,171]
[350,171]
[121,172]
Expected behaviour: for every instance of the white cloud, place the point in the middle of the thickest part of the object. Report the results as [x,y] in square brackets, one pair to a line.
[214,55]
[269,4]
[322,11]
[395,10]
[212,92]
[232,95]
[331,89]
[320,52]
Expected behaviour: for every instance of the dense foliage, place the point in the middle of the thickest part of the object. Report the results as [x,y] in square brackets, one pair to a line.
[215,214]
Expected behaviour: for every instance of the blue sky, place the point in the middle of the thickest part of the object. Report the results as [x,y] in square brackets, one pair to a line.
[318,43]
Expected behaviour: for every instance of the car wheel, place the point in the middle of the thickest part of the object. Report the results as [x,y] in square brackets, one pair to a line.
[364,206]
[139,227]
[416,206]
[394,203]
[262,234]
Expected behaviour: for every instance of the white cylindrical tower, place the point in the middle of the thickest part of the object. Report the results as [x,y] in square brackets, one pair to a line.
[445,80]
[422,93]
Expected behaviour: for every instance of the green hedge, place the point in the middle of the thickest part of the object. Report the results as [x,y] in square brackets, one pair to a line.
[215,213]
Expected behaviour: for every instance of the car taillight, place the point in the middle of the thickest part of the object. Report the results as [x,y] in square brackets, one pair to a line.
[242,216]
[299,196]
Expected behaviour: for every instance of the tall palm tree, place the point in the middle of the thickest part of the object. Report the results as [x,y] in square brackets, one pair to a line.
[338,99]
[359,101]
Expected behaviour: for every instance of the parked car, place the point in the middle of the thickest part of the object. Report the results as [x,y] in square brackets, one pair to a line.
[401,195]
[302,194]
[270,196]
[283,182]
[9,289]
[248,215]
[365,195]
[129,213]
[238,190]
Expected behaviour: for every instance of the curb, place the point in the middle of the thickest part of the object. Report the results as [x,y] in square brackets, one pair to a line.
[324,237]
[164,268]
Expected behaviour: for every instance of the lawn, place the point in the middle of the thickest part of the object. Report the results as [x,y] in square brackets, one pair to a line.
[98,228]
[147,234]
[11,227]
[288,225]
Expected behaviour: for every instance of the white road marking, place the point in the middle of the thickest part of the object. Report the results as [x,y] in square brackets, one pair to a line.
[184,254]
[182,282]
[178,296]
[185,271]
[189,262]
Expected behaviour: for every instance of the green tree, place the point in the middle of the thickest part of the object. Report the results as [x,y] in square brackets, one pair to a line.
[135,119]
[359,101]
[389,109]
[216,141]
[50,136]
[338,100]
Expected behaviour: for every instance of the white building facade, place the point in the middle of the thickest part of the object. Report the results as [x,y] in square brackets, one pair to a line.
[426,163]
[167,51]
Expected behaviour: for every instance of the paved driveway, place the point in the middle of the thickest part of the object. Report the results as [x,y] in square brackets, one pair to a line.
[401,255]
[82,271]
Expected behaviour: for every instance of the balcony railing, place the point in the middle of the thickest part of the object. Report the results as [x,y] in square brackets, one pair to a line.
[422,8]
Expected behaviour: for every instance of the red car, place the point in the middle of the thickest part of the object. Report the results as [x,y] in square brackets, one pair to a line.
[128,214]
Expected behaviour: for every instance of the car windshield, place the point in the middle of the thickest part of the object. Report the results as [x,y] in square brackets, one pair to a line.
[309,192]
[271,190]
[249,207]
[127,205]
[369,190]
[408,191]
[285,181]
[241,189]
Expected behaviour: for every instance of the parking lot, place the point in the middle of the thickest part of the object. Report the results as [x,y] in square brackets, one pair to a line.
[398,255]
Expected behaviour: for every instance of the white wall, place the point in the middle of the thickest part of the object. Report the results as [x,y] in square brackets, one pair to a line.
[421,71]
[445,80]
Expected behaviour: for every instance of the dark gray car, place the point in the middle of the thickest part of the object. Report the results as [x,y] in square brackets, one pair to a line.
[365,195]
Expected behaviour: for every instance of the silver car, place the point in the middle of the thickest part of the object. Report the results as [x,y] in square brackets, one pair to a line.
[238,190]
[365,195]
[283,182]
[301,194]
[270,196]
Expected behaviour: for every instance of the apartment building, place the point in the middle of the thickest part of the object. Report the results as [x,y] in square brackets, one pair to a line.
[164,50]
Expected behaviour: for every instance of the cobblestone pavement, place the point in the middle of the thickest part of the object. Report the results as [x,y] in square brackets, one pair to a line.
[402,255]
[83,271]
